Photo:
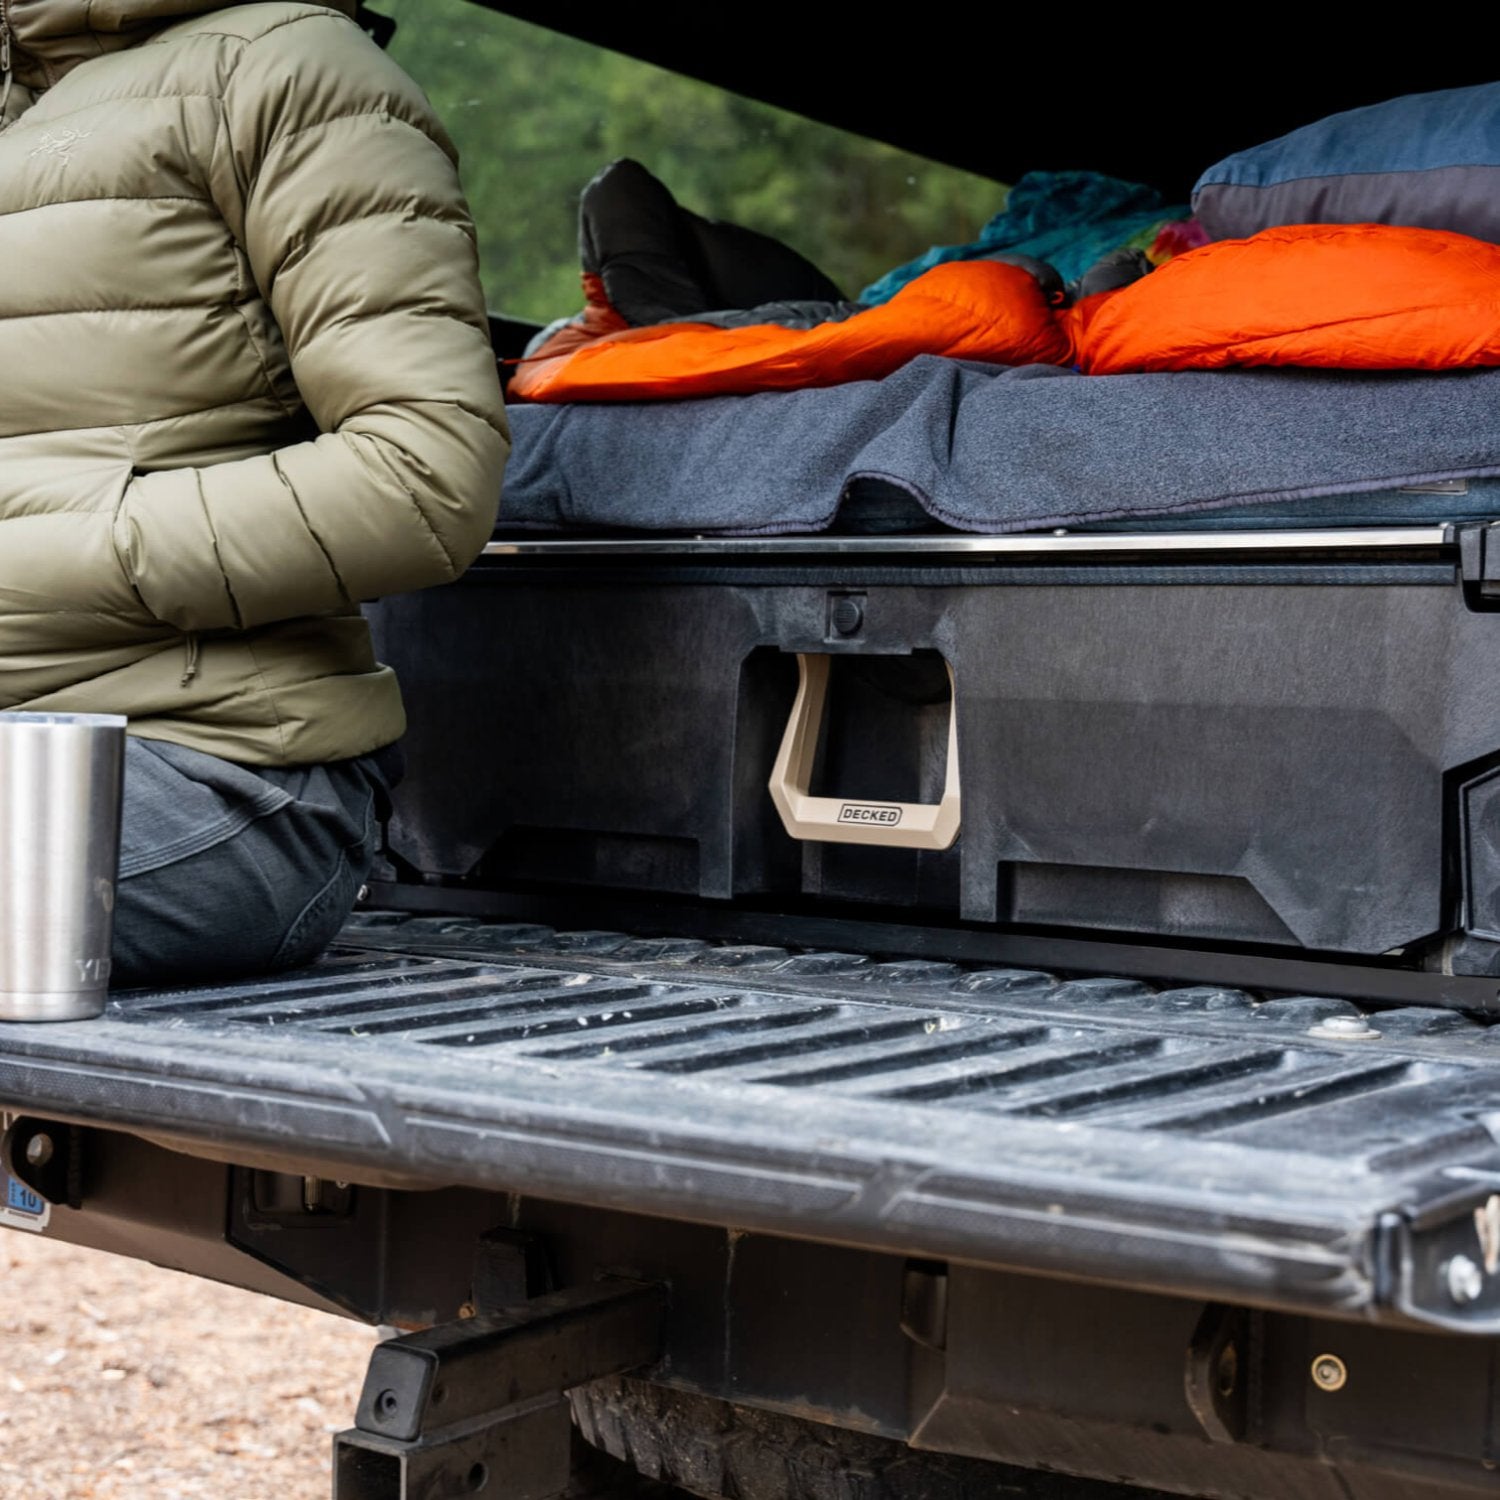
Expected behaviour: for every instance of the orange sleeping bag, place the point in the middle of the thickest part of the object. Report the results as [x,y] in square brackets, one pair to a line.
[1327,296]
[1361,296]
[975,309]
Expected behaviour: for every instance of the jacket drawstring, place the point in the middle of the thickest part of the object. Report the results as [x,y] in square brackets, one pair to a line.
[6,73]
[190,671]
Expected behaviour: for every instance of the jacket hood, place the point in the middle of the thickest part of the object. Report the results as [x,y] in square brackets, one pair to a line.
[50,37]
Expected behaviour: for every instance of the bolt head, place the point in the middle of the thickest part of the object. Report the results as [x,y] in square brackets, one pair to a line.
[1329,1373]
[1464,1280]
[39,1150]
[1343,1029]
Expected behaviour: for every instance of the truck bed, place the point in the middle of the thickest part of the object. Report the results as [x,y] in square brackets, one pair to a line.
[1293,1152]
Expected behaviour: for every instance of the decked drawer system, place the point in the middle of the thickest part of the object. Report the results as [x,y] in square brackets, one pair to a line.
[1282,739]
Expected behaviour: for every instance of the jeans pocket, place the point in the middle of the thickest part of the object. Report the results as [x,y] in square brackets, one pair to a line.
[318,923]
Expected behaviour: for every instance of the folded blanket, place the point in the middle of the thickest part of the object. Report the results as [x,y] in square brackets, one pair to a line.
[985,449]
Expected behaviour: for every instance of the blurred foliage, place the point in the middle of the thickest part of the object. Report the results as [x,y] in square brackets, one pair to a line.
[536,115]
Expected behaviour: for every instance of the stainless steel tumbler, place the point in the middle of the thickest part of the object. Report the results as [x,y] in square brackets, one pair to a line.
[61,777]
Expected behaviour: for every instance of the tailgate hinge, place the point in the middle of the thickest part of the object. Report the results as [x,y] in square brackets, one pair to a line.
[1439,1264]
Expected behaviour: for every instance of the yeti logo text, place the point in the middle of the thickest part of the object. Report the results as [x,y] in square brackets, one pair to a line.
[863,812]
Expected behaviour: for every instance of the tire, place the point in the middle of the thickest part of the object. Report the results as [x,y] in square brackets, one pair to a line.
[725,1452]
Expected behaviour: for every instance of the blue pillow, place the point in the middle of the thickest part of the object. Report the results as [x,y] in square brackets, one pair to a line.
[1428,160]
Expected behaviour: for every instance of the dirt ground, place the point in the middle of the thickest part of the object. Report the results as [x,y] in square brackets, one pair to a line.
[120,1381]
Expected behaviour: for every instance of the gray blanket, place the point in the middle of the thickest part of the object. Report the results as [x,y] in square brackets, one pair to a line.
[987,449]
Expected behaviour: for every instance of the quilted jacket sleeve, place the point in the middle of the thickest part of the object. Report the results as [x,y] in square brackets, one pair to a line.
[342,189]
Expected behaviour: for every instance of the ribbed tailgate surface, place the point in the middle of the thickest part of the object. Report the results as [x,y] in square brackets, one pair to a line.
[1200,1140]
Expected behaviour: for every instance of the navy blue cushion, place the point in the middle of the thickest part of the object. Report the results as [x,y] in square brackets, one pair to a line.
[1429,160]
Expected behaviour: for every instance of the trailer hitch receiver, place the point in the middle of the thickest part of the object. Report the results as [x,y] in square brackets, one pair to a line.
[478,1407]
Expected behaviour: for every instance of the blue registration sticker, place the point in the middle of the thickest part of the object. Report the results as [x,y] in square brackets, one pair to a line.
[20,1208]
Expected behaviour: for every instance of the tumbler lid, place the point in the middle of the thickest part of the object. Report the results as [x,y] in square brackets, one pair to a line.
[82,721]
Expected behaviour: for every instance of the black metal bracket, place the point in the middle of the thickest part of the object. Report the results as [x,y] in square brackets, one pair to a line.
[478,1407]
[509,1267]
[1217,1378]
[924,1303]
[46,1157]
[1479,564]
[1442,1261]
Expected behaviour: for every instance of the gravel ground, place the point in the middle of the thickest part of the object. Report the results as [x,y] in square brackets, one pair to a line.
[120,1381]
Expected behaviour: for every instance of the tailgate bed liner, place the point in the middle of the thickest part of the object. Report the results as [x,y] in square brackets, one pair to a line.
[1282,1152]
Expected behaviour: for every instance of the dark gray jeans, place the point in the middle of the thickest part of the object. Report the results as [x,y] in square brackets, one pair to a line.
[227,870]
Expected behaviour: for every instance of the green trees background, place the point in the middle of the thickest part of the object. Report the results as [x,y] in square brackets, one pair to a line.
[536,114]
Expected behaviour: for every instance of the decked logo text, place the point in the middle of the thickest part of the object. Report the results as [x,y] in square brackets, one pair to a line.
[869,812]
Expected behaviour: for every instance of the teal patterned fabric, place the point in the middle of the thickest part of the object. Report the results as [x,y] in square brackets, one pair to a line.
[1068,219]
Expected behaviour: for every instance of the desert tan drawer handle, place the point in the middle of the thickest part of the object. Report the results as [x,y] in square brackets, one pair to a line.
[835,820]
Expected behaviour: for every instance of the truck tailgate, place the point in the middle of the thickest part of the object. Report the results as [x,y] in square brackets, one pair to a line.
[1281,1152]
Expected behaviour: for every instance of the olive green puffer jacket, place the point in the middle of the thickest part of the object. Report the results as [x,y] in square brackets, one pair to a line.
[245,375]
